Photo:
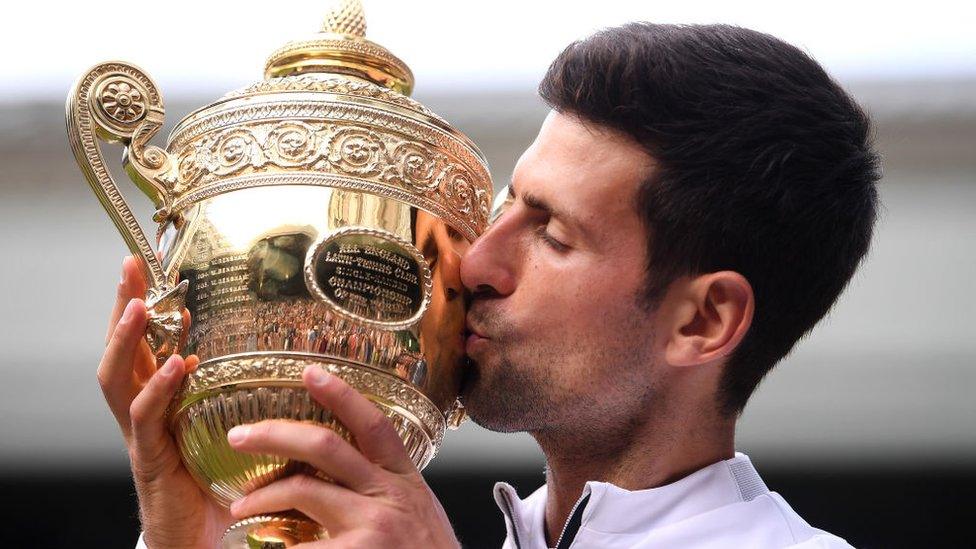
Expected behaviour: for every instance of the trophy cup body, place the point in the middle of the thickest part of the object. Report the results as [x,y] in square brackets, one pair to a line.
[314,218]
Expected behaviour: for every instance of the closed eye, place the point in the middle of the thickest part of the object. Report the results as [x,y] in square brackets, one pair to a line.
[543,233]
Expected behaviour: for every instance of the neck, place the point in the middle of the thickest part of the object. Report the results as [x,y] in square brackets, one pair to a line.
[647,457]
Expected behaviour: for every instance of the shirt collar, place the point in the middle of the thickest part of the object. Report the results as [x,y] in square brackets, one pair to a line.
[612,509]
[525,519]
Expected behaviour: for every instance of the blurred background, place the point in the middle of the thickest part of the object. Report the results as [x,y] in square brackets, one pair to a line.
[868,429]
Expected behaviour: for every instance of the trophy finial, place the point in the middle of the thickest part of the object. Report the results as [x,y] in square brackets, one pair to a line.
[345,17]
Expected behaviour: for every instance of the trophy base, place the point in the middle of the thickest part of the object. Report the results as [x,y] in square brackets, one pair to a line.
[272,532]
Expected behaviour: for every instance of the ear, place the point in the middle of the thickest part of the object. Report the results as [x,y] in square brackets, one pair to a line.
[707,318]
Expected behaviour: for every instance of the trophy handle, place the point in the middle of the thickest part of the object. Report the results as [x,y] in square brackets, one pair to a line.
[118,103]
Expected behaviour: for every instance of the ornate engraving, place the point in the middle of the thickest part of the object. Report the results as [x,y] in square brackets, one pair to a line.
[105,87]
[201,430]
[343,113]
[455,184]
[233,370]
[356,151]
[82,122]
[190,166]
[463,224]
[415,166]
[122,101]
[362,151]
[291,144]
[234,150]
[165,326]
[316,83]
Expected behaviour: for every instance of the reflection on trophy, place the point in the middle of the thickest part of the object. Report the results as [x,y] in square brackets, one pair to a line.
[316,217]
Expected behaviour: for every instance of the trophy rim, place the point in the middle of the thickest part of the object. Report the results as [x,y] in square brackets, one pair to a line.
[434,421]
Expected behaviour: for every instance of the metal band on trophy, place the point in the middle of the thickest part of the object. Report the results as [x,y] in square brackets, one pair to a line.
[313,218]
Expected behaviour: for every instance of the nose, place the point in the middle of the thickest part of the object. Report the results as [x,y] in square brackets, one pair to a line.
[489,266]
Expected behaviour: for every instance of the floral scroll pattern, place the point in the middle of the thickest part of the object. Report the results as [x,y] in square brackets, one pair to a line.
[340,149]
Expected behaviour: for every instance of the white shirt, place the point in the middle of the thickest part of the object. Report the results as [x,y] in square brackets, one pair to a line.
[724,505]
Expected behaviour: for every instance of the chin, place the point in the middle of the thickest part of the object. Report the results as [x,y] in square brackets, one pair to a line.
[493,421]
[486,407]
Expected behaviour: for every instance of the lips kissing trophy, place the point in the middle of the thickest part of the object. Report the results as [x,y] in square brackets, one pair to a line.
[316,217]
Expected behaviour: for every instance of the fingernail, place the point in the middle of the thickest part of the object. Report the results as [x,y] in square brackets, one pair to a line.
[169,368]
[122,280]
[235,505]
[238,434]
[319,377]
[129,310]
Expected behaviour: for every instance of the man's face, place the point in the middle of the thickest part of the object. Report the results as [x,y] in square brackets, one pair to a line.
[560,341]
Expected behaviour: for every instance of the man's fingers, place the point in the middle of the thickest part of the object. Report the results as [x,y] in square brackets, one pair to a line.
[150,438]
[115,372]
[373,431]
[318,446]
[332,506]
[130,286]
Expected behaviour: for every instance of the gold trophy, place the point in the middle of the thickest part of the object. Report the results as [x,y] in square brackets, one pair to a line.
[316,217]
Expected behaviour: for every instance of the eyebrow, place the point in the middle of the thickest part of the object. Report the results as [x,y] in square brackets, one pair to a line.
[537,203]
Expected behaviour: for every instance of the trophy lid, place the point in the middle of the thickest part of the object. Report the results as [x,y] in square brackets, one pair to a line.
[341,47]
[319,97]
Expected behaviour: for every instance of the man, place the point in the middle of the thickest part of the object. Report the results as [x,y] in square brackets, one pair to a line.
[695,202]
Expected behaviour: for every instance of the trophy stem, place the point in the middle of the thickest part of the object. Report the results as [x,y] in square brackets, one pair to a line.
[272,531]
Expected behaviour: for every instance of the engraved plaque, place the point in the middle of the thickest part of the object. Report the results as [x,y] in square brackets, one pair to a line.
[371,276]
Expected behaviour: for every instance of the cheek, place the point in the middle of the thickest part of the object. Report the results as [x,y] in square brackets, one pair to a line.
[590,297]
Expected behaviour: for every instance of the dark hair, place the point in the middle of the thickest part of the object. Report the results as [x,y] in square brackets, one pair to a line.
[764,167]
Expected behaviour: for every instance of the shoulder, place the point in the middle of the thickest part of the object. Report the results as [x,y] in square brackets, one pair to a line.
[804,535]
[764,522]
[764,515]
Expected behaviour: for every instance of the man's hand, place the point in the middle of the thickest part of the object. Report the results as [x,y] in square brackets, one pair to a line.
[173,509]
[379,499]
